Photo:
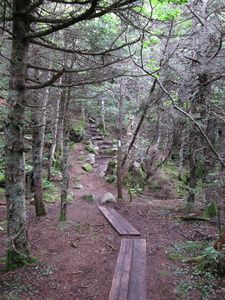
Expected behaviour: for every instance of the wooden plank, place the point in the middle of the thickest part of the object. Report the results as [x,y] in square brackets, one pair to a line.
[129,280]
[118,222]
[120,283]
[124,222]
[137,283]
[113,221]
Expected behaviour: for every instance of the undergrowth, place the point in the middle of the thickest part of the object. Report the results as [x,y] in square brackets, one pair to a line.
[197,273]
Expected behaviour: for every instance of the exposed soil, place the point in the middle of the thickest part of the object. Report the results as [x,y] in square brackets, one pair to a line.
[77,258]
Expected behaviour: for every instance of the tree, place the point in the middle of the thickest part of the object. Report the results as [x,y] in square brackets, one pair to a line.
[31,24]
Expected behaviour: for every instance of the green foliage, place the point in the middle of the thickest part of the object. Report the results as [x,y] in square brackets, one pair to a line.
[111,178]
[47,185]
[179,2]
[72,146]
[211,209]
[211,260]
[196,278]
[81,158]
[134,191]
[110,152]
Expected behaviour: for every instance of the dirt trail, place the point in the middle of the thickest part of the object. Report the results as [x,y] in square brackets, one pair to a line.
[77,258]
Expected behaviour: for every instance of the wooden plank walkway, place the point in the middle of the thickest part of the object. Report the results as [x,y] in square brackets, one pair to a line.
[129,280]
[118,222]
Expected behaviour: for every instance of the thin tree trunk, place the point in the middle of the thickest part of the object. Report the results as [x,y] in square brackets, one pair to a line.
[65,155]
[37,143]
[181,155]
[119,166]
[192,165]
[54,137]
[18,248]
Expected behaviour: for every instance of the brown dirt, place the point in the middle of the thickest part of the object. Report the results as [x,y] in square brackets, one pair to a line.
[77,258]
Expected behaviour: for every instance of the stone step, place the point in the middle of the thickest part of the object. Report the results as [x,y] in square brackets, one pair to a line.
[102,156]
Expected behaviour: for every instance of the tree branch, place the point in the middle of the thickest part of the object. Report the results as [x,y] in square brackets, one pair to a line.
[47,83]
[194,121]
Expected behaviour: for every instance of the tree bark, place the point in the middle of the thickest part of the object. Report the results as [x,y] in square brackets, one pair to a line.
[37,145]
[54,137]
[65,155]
[18,248]
[119,154]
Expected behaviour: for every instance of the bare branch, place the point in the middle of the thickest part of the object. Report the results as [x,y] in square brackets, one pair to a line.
[194,121]
[47,83]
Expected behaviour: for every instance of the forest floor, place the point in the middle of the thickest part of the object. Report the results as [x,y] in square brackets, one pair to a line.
[77,258]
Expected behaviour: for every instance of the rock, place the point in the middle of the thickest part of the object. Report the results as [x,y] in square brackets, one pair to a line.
[90,198]
[78,186]
[90,158]
[88,168]
[49,198]
[108,198]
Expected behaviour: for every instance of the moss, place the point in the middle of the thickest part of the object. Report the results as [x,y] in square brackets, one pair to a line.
[110,152]
[72,146]
[57,164]
[90,148]
[63,218]
[77,179]
[77,131]
[88,168]
[81,158]
[101,127]
[211,209]
[15,260]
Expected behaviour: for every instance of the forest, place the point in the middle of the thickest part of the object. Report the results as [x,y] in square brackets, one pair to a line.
[143,76]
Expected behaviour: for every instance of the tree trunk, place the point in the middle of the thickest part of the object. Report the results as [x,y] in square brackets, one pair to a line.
[192,165]
[54,138]
[18,248]
[65,155]
[119,166]
[37,142]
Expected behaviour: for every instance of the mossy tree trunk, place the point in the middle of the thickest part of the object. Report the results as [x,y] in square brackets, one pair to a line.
[18,248]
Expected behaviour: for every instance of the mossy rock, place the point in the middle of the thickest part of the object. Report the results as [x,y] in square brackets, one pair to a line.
[88,168]
[49,198]
[90,198]
[77,131]
[70,197]
[77,178]
[78,186]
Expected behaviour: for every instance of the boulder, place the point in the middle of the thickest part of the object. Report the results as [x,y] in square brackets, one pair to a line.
[90,198]
[90,158]
[78,186]
[108,198]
